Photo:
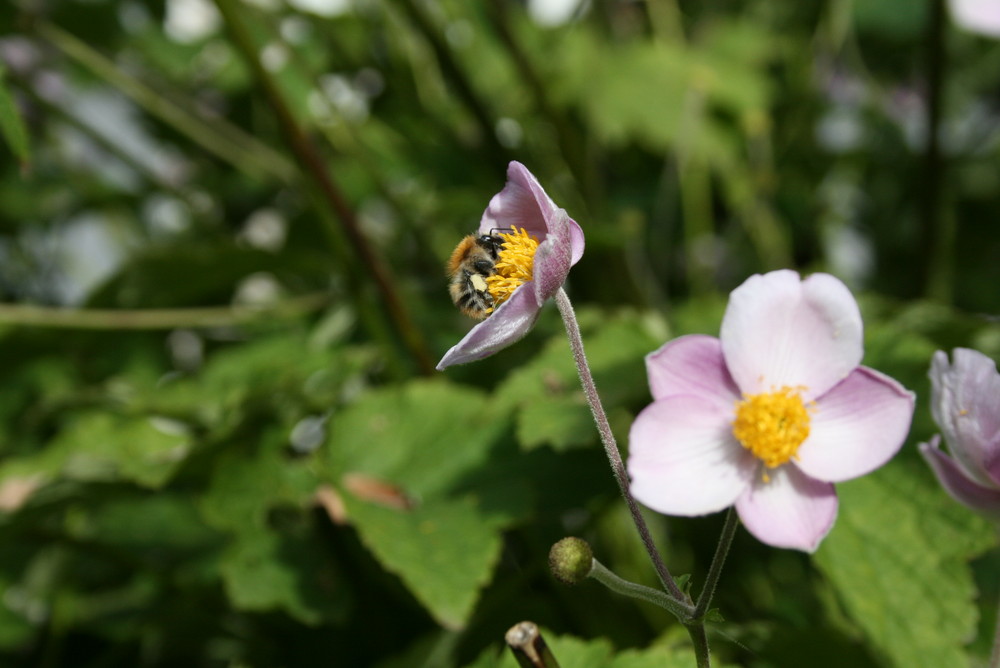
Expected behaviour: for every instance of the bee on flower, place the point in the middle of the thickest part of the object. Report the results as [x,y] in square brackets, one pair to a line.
[518,259]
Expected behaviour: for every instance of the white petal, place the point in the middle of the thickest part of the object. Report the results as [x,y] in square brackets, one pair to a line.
[683,459]
[780,331]
[791,510]
[694,365]
[856,427]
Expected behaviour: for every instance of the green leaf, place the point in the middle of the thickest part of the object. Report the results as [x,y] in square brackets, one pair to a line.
[897,557]
[421,436]
[107,447]
[245,485]
[443,551]
[11,124]
[562,422]
[266,570]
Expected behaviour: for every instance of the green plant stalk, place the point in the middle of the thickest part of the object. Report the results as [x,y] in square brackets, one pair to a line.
[715,570]
[26,315]
[313,166]
[569,145]
[226,142]
[681,610]
[455,74]
[610,445]
[937,234]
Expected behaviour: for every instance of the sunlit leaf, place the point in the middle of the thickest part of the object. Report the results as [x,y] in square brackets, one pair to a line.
[898,558]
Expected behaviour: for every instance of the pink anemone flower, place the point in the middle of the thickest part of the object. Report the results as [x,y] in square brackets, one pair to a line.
[769,415]
[965,403]
[523,205]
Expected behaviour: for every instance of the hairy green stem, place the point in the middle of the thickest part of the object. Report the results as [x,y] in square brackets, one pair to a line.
[680,609]
[608,440]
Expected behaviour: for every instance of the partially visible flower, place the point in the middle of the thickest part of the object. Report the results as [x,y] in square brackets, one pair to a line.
[769,415]
[978,16]
[524,208]
[965,403]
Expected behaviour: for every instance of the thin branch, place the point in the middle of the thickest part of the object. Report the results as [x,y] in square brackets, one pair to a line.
[313,165]
[715,570]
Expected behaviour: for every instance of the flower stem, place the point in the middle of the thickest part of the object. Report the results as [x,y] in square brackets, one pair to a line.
[721,550]
[607,578]
[610,446]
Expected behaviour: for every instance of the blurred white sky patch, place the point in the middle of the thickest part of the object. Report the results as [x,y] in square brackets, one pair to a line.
[85,251]
[190,20]
[978,16]
[554,12]
[326,8]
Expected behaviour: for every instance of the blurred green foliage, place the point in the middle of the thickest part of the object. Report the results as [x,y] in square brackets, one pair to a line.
[222,227]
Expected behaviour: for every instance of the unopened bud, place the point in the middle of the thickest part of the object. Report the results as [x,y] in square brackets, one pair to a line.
[571,560]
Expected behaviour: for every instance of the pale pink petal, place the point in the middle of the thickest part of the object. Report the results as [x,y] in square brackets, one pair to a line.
[683,459]
[957,484]
[507,324]
[553,258]
[856,427]
[780,331]
[692,365]
[965,402]
[791,510]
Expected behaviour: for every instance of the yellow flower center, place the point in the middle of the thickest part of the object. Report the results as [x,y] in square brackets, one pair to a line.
[515,260]
[772,425]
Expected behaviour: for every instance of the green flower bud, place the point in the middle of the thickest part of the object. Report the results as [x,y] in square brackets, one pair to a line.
[571,560]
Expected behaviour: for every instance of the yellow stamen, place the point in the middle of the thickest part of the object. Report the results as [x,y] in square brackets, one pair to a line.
[515,262]
[772,425]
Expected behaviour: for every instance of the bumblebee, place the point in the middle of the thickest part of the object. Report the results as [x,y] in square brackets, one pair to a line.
[471,262]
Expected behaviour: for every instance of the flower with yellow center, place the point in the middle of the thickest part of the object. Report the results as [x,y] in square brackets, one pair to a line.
[514,265]
[772,425]
[768,416]
[540,245]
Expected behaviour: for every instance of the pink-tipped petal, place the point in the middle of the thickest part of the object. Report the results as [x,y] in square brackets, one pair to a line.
[692,365]
[553,258]
[791,510]
[506,325]
[856,427]
[782,331]
[683,459]
[965,402]
[957,484]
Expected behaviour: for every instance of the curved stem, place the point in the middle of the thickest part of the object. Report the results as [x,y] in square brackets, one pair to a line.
[721,550]
[607,578]
[608,439]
